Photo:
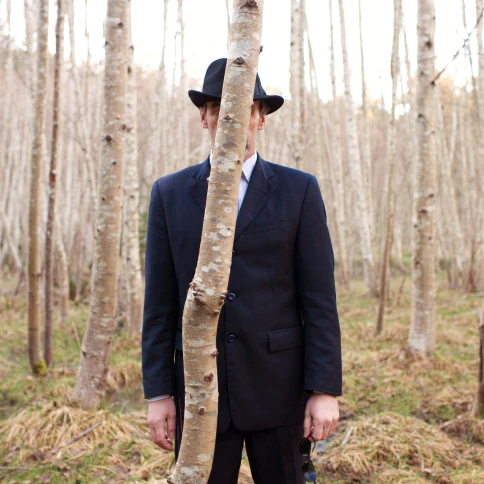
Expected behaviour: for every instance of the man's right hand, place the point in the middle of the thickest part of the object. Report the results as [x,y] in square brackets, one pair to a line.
[161,413]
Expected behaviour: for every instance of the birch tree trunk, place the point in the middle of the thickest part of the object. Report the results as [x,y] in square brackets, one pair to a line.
[366,162]
[421,339]
[478,407]
[361,205]
[207,291]
[294,80]
[50,234]
[301,81]
[184,147]
[36,362]
[386,259]
[6,88]
[62,276]
[159,143]
[96,346]
[339,200]
[131,198]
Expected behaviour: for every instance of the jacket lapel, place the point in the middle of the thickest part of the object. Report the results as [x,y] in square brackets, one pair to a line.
[261,186]
[200,187]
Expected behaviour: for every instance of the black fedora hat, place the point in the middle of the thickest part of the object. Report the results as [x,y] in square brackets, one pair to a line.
[213,83]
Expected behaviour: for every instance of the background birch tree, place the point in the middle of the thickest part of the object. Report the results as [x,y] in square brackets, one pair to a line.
[386,258]
[131,249]
[421,339]
[361,205]
[96,346]
[36,362]
[51,235]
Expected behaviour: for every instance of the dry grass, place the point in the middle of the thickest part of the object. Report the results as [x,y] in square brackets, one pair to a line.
[409,418]
[392,440]
[31,436]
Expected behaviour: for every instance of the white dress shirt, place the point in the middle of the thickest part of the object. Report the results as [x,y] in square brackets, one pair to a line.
[247,169]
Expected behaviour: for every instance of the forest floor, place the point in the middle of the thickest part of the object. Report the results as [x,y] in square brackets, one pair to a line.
[401,421]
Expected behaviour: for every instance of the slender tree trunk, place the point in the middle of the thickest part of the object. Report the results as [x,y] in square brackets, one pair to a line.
[301,80]
[36,362]
[6,89]
[361,205]
[159,141]
[208,289]
[184,147]
[50,234]
[451,220]
[96,346]
[131,198]
[295,78]
[339,199]
[386,259]
[366,162]
[478,407]
[62,276]
[29,38]
[421,339]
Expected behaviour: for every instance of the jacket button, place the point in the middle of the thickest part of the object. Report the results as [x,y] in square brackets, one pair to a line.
[233,252]
[231,338]
[231,296]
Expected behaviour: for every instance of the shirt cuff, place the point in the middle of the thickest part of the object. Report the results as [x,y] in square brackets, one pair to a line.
[159,397]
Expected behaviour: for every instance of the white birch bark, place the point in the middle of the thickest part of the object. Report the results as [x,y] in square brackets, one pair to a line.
[51,216]
[157,161]
[366,162]
[295,90]
[386,259]
[339,199]
[96,346]
[62,275]
[448,203]
[208,289]
[361,205]
[184,140]
[421,339]
[5,107]
[132,264]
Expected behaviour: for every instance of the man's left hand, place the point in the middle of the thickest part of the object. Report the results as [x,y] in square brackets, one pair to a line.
[322,413]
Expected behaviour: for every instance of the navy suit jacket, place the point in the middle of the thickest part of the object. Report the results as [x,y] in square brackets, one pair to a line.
[278,332]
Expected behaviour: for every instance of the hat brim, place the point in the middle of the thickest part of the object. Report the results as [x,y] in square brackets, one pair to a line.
[200,98]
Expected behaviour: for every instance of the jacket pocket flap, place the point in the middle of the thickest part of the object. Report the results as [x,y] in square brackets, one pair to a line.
[272,225]
[283,339]
[178,341]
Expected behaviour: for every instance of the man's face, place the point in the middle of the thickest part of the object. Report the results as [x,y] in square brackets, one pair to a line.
[257,121]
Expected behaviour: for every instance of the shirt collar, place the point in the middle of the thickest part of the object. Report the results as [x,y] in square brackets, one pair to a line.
[247,166]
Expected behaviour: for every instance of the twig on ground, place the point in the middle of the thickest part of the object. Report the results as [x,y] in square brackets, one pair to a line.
[82,434]
[347,436]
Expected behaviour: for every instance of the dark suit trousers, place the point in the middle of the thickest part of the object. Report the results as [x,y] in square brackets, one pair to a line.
[273,454]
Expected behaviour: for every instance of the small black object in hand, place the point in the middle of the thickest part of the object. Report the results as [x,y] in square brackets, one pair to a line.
[308,466]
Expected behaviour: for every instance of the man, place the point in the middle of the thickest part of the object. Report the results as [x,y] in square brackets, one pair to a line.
[279,362]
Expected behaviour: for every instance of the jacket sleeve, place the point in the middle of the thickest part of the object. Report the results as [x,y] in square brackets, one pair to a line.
[317,296]
[160,304]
